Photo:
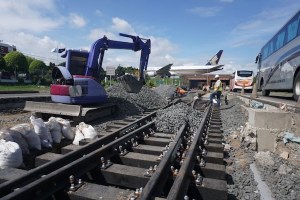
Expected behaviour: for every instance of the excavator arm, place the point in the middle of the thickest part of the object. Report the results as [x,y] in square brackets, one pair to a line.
[96,54]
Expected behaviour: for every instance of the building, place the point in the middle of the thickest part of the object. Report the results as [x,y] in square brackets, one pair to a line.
[6,48]
[198,81]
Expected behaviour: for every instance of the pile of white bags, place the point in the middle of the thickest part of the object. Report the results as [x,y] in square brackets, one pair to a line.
[22,138]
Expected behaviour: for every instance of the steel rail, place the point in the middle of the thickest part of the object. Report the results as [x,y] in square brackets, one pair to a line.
[36,173]
[158,180]
[55,181]
[181,183]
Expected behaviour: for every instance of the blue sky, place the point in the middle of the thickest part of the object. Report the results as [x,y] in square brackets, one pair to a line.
[182,32]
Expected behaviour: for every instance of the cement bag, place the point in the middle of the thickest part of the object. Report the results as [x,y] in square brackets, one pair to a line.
[87,130]
[10,155]
[78,136]
[55,129]
[4,135]
[66,128]
[30,136]
[17,137]
[42,131]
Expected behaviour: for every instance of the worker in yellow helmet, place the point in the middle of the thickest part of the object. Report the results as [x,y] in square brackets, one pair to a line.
[218,87]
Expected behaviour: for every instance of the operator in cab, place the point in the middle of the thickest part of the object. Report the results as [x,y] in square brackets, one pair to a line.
[218,87]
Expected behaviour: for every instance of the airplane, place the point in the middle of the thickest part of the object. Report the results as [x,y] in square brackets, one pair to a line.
[170,70]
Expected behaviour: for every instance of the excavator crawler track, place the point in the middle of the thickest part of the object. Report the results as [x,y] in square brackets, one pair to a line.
[76,113]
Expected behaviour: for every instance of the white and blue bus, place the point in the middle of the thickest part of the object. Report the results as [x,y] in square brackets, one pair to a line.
[240,79]
[279,61]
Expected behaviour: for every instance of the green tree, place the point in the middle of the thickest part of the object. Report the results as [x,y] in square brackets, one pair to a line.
[130,70]
[37,70]
[2,64]
[29,60]
[120,71]
[16,62]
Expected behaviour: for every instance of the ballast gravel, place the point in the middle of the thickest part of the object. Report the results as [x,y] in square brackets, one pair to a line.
[172,118]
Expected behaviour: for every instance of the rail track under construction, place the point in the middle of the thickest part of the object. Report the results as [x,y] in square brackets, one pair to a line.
[131,160]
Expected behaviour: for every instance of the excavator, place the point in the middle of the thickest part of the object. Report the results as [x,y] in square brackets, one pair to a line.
[76,90]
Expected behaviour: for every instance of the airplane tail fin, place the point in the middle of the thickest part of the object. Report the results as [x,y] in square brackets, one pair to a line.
[215,59]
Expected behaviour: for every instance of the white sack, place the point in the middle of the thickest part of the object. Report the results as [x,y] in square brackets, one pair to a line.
[66,128]
[10,155]
[78,136]
[55,129]
[87,130]
[42,131]
[4,135]
[28,133]
[21,141]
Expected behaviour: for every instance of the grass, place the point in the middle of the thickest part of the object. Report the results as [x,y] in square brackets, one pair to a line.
[24,88]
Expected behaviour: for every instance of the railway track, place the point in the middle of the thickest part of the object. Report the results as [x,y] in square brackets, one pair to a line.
[130,161]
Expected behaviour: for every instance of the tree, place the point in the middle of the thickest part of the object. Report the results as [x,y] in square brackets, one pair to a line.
[16,62]
[37,70]
[130,70]
[2,64]
[120,71]
[29,60]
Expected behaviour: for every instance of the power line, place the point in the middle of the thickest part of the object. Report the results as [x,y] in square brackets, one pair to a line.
[43,58]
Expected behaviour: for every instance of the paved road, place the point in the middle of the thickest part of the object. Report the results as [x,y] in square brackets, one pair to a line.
[4,96]
[277,97]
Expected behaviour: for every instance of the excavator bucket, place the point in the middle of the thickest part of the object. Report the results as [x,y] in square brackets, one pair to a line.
[131,84]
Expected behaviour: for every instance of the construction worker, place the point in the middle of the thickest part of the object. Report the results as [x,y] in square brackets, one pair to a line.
[217,91]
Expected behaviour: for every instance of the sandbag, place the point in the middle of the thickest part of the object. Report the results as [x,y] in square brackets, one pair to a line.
[42,131]
[55,129]
[10,154]
[30,136]
[4,135]
[66,129]
[78,136]
[21,141]
[87,130]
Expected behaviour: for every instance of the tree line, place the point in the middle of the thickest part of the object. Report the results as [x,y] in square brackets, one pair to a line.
[16,65]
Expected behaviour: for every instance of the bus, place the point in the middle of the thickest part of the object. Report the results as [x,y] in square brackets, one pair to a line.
[279,61]
[240,79]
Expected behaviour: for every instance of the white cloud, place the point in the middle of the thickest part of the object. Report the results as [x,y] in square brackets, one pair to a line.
[98,33]
[34,46]
[161,48]
[77,20]
[205,11]
[254,31]
[26,15]
[98,13]
[122,26]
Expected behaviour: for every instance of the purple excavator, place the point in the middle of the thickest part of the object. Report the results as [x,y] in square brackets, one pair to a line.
[76,88]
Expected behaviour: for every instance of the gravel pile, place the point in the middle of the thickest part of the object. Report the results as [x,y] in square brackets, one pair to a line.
[240,179]
[166,91]
[173,117]
[134,103]
[233,118]
[282,177]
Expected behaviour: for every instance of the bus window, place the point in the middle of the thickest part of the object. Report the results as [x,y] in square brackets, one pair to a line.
[244,73]
[280,40]
[292,29]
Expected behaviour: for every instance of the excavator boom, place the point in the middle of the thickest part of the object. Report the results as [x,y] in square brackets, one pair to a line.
[96,54]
